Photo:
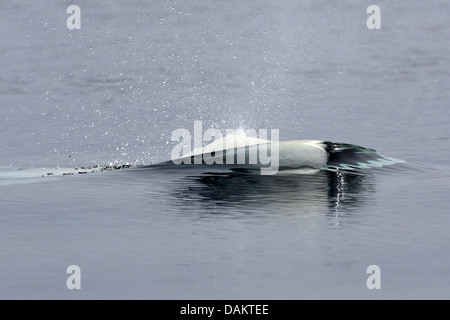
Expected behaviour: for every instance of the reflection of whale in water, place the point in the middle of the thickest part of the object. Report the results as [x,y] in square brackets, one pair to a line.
[322,192]
[244,154]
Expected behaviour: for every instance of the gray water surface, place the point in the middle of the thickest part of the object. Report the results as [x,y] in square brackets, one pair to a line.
[113,92]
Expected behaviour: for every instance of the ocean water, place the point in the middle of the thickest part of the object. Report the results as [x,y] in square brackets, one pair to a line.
[113,92]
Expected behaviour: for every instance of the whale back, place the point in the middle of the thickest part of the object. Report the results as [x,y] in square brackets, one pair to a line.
[240,153]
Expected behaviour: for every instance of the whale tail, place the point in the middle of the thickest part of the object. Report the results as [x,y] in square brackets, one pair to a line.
[350,157]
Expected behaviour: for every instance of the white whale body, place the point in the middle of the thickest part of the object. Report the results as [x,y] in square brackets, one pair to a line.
[296,156]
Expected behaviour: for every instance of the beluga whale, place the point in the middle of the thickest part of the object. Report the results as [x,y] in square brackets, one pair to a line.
[240,153]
